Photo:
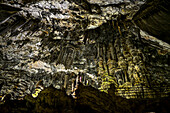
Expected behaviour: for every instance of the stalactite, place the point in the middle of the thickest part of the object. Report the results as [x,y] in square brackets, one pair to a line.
[62,41]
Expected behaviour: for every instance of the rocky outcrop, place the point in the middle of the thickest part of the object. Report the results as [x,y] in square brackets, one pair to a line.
[88,99]
[153,17]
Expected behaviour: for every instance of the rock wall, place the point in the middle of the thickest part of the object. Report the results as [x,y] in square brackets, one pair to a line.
[153,17]
[61,43]
[88,99]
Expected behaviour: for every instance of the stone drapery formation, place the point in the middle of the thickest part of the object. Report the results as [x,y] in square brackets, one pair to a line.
[63,42]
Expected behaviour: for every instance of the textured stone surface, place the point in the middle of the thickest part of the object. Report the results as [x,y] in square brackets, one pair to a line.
[88,99]
[62,42]
[153,17]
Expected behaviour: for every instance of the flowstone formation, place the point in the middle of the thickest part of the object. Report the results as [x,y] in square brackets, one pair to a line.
[96,42]
[89,99]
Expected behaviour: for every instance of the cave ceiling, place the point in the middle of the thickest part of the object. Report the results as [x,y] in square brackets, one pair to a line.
[96,42]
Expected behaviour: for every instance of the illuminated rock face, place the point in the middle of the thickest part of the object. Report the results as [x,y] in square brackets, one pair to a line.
[61,43]
[88,100]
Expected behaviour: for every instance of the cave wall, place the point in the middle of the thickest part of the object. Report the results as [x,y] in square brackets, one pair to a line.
[153,17]
[61,43]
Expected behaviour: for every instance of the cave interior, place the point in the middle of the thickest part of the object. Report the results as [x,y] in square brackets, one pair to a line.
[84,56]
